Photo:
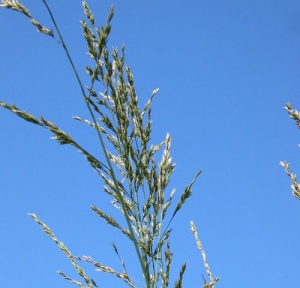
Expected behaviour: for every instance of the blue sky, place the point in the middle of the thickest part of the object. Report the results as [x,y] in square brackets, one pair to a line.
[225,70]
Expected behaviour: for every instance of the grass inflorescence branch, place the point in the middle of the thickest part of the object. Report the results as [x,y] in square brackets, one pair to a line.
[295,115]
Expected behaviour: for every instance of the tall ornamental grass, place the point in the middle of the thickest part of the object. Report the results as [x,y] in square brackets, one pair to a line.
[134,176]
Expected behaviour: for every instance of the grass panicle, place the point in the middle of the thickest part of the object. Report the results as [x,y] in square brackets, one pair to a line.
[106,269]
[213,281]
[133,177]
[178,283]
[16,6]
[66,251]
[295,185]
[295,115]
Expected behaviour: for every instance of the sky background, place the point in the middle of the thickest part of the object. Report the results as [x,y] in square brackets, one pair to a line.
[225,70]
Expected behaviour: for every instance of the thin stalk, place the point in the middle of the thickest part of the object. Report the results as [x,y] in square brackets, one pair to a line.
[146,274]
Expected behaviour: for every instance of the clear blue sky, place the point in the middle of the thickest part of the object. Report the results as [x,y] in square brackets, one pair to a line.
[225,70]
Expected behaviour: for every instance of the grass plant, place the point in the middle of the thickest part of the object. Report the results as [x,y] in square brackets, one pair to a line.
[132,173]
